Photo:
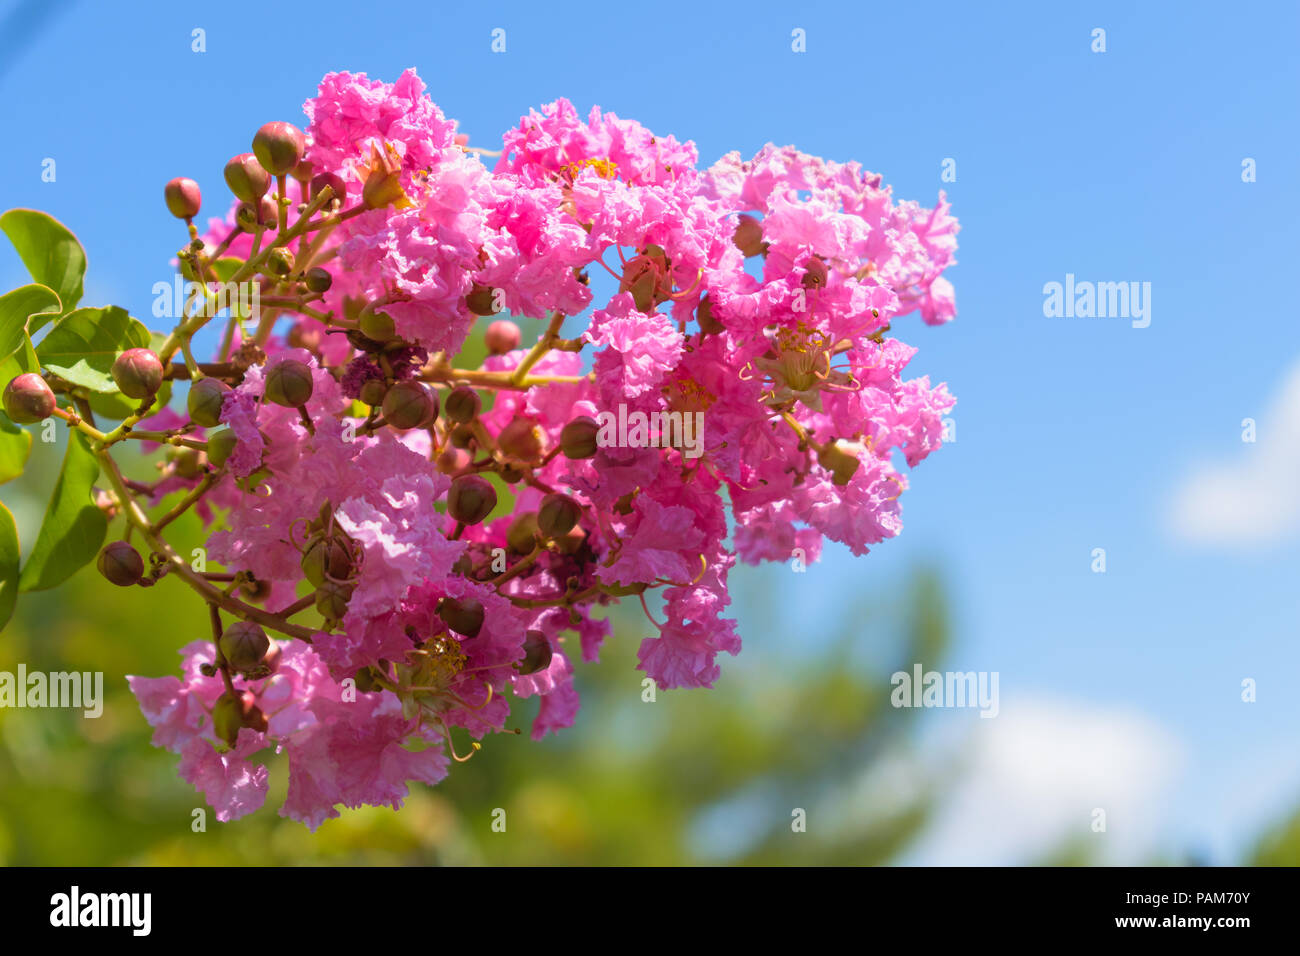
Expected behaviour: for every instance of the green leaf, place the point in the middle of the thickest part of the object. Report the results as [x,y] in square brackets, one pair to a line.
[8,565]
[116,406]
[225,267]
[15,444]
[83,345]
[17,307]
[73,528]
[50,251]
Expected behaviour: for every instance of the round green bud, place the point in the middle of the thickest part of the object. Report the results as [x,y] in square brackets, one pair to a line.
[463,404]
[182,197]
[278,147]
[502,336]
[243,645]
[709,324]
[187,462]
[471,499]
[410,405]
[578,438]
[338,188]
[220,446]
[520,438]
[246,177]
[279,262]
[373,391]
[138,373]
[521,536]
[748,236]
[481,301]
[120,563]
[28,399]
[318,280]
[229,713]
[327,561]
[451,461]
[462,615]
[205,400]
[838,462]
[377,326]
[289,384]
[537,653]
[557,515]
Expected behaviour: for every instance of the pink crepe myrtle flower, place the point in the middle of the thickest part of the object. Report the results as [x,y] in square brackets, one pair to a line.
[416,602]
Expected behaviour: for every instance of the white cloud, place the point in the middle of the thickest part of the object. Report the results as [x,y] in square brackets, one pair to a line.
[1256,498]
[1030,779]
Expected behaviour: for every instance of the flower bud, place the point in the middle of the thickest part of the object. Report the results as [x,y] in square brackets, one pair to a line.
[327,561]
[571,541]
[243,645]
[471,499]
[269,664]
[121,564]
[462,405]
[318,279]
[229,712]
[220,446]
[279,146]
[246,178]
[372,391]
[337,187]
[279,262]
[410,405]
[205,400]
[838,462]
[303,172]
[578,437]
[520,438]
[187,462]
[709,324]
[502,336]
[748,236]
[376,326]
[365,681]
[332,600]
[557,515]
[462,436]
[521,536]
[481,301]
[182,197]
[537,653]
[138,373]
[462,615]
[29,399]
[450,461]
[256,719]
[815,274]
[289,384]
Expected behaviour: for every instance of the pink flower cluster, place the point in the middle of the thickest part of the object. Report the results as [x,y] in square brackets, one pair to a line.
[753,296]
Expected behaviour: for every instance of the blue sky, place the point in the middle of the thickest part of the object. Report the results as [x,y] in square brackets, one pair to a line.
[1072,434]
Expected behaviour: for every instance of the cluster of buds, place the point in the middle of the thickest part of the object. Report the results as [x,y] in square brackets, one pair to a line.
[404,542]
